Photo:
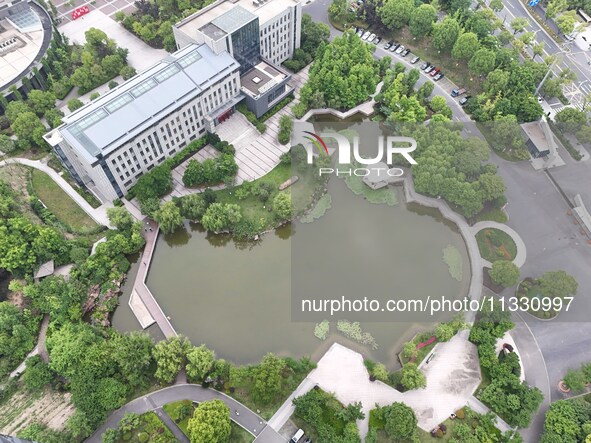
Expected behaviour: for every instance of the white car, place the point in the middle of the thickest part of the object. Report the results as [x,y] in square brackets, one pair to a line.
[371,38]
[360,33]
[366,35]
[400,49]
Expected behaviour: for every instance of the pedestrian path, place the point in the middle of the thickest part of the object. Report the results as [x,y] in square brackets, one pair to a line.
[240,414]
[521,255]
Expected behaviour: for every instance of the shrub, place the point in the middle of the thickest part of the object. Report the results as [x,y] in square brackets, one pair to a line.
[143,437]
[285,127]
[575,380]
[74,104]
[94,96]
[261,127]
[113,84]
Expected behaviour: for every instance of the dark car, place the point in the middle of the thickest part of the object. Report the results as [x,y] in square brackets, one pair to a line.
[425,66]
[405,52]
[457,92]
[465,99]
[438,76]
[394,46]
[434,72]
[414,60]
[388,44]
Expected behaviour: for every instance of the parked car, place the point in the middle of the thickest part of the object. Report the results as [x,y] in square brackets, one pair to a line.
[371,38]
[429,68]
[414,60]
[458,91]
[297,436]
[434,72]
[394,46]
[405,52]
[366,35]
[425,66]
[377,40]
[388,44]
[438,76]
[465,99]
[360,32]
[400,49]
[540,99]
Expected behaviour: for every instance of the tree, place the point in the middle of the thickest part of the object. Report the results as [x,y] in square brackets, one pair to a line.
[267,378]
[221,216]
[170,355]
[538,49]
[54,117]
[168,217]
[133,354]
[571,119]
[16,108]
[412,377]
[496,5]
[482,23]
[557,284]
[438,105]
[483,61]
[555,7]
[496,82]
[74,104]
[422,19]
[193,206]
[518,24]
[400,421]
[504,273]
[445,34]
[110,436]
[127,72]
[29,130]
[575,380]
[492,186]
[394,14]
[120,218]
[566,22]
[7,145]
[466,46]
[199,362]
[444,332]
[282,206]
[562,420]
[210,423]
[41,101]
[379,372]
[38,374]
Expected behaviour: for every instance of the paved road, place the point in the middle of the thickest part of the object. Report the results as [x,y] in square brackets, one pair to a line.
[247,419]
[99,214]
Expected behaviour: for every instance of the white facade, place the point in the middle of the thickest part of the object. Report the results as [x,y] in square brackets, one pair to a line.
[279,26]
[163,116]
[280,35]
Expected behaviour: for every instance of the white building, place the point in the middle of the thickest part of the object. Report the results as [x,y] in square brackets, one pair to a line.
[279,26]
[109,143]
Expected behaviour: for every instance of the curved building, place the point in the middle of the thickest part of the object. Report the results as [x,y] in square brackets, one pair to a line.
[25,36]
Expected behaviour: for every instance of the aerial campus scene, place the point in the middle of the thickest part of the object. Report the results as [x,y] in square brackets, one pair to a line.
[328,221]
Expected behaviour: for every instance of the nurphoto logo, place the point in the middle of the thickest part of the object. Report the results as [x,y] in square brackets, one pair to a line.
[350,161]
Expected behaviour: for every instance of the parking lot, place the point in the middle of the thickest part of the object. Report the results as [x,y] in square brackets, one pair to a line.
[107,7]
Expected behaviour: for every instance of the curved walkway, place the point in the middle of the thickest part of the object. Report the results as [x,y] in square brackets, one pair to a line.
[521,255]
[476,262]
[247,419]
[99,214]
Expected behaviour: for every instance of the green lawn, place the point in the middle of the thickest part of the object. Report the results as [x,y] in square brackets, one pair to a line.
[60,204]
[495,244]
[239,435]
[492,214]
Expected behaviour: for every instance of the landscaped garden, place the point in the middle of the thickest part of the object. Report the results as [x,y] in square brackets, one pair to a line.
[495,244]
[546,296]
[134,428]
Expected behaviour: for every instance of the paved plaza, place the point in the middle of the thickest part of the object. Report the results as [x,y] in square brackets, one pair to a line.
[141,56]
[452,377]
[107,7]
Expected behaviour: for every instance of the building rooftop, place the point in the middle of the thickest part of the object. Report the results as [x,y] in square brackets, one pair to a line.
[25,35]
[234,19]
[260,79]
[127,110]
[264,10]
